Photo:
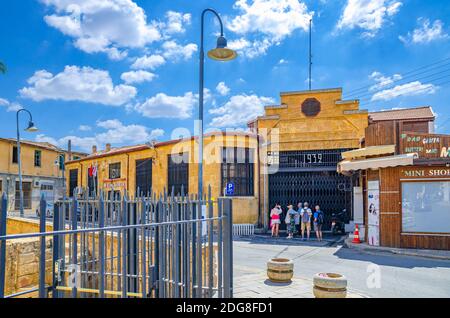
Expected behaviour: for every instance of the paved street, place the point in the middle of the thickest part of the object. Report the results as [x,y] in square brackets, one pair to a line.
[401,276]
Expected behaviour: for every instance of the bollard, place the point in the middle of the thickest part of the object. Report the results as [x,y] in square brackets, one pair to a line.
[330,285]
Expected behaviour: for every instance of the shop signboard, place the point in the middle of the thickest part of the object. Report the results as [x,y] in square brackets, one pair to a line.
[427,146]
[373,208]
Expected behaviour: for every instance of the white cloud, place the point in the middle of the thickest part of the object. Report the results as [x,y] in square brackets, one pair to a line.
[174,51]
[223,89]
[239,110]
[115,133]
[164,106]
[410,89]
[277,18]
[137,77]
[102,25]
[84,128]
[10,107]
[425,32]
[78,84]
[383,81]
[369,15]
[176,22]
[148,62]
[264,23]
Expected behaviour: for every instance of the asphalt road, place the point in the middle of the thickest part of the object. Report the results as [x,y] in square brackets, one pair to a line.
[399,276]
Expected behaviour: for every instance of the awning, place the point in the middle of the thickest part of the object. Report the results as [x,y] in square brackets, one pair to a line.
[377,163]
[369,151]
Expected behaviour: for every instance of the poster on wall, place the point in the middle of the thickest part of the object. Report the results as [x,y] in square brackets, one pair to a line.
[373,201]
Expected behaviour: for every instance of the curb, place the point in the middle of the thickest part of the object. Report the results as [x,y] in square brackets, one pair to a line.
[394,251]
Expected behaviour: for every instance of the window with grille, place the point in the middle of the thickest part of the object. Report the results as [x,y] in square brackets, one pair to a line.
[144,176]
[114,171]
[26,188]
[92,185]
[73,181]
[238,168]
[37,158]
[15,155]
[178,173]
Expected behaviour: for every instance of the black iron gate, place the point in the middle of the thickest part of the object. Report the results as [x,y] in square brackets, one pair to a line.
[310,176]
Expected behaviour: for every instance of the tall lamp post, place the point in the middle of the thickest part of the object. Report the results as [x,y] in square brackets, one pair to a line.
[31,128]
[220,53]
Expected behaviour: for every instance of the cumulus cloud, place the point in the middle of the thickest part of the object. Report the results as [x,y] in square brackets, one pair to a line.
[368,15]
[148,62]
[165,106]
[137,77]
[264,23]
[425,32]
[176,22]
[84,128]
[239,110]
[174,51]
[114,132]
[103,25]
[222,89]
[383,81]
[78,84]
[10,106]
[410,89]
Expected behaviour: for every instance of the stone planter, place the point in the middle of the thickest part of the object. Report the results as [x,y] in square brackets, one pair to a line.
[330,285]
[280,270]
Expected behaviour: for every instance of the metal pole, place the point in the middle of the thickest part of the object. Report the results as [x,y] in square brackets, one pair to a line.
[20,166]
[3,206]
[310,54]
[42,221]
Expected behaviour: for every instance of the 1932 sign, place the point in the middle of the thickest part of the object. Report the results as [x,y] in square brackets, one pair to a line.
[426,145]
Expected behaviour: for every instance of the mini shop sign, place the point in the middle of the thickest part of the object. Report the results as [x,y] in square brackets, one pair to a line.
[427,173]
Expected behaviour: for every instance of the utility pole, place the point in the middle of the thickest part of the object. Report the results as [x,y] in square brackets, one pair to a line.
[310,54]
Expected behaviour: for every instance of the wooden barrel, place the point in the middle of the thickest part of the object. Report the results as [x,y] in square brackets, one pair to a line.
[330,285]
[280,270]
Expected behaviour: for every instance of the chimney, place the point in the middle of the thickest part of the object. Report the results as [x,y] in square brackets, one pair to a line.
[108,147]
[94,149]
[69,149]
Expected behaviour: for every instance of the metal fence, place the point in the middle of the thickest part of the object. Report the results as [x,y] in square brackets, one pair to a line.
[150,246]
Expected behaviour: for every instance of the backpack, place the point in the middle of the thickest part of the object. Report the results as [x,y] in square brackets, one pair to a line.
[320,217]
[305,216]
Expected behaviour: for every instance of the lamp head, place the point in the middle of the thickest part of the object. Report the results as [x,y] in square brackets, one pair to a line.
[221,52]
[31,127]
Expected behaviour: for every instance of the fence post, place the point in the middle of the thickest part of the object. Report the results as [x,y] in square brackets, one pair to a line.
[228,249]
[42,221]
[101,247]
[56,268]
[3,207]
[74,242]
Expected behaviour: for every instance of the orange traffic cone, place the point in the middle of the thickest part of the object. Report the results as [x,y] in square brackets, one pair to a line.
[356,239]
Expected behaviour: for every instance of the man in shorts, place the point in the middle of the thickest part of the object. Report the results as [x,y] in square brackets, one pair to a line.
[305,216]
[318,222]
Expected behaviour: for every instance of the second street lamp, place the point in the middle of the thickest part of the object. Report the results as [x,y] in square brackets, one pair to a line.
[31,128]
[220,53]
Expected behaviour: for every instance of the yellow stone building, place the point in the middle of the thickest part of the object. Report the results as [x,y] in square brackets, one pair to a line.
[230,157]
[42,172]
[301,143]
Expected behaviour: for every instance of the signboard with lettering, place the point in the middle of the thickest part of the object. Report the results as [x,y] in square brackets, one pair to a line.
[427,146]
[429,172]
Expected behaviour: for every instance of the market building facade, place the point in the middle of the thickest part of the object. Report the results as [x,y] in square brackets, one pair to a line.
[406,177]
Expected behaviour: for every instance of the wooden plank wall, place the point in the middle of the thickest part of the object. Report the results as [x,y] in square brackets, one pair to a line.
[390,207]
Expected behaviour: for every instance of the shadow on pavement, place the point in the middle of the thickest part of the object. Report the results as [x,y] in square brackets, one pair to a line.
[268,240]
[388,259]
[268,282]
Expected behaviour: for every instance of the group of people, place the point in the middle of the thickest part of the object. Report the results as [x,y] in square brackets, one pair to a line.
[297,220]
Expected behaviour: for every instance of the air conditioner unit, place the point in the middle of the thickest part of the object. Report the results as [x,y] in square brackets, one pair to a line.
[37,184]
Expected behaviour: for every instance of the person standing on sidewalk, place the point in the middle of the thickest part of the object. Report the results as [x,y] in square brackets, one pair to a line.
[305,216]
[275,217]
[290,221]
[318,222]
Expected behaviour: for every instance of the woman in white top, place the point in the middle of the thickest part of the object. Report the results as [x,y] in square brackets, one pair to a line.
[275,218]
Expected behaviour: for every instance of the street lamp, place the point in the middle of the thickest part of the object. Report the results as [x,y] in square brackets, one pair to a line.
[31,128]
[220,53]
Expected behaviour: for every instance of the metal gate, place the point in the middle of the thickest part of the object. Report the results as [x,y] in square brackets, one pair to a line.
[149,247]
[310,176]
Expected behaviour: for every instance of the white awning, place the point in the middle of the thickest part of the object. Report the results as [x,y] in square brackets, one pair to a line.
[369,151]
[377,163]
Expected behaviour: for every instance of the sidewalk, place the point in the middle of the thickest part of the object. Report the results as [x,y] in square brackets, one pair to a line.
[267,239]
[258,286]
[364,247]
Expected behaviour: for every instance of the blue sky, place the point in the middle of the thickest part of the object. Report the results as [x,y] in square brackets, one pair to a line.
[126,72]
